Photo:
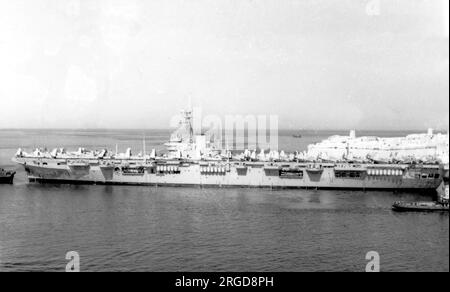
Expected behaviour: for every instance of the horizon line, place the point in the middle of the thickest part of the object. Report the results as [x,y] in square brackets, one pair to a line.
[280,129]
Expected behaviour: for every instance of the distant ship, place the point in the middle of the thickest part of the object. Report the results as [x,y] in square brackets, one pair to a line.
[6,177]
[297,136]
[192,160]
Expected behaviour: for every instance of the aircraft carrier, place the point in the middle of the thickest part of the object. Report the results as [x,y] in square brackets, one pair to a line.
[190,160]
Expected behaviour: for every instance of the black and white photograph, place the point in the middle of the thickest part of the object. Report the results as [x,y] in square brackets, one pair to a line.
[225,143]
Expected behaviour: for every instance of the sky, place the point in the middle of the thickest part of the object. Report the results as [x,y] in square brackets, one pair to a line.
[317,64]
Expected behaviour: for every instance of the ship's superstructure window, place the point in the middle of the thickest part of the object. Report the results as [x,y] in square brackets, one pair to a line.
[291,173]
[430,175]
[133,170]
[347,174]
[426,175]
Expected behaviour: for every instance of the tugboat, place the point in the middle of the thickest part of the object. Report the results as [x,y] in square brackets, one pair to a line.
[440,205]
[6,177]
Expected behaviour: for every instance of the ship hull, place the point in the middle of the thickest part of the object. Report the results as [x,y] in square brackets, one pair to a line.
[273,187]
[254,176]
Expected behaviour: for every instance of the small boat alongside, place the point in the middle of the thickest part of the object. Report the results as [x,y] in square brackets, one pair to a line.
[420,206]
[441,205]
[6,177]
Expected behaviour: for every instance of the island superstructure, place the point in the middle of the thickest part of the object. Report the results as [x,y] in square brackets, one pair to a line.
[193,160]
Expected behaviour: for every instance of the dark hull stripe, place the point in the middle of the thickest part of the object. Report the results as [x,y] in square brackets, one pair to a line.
[81,182]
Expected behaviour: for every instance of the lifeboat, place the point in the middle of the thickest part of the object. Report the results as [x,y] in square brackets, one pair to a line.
[385,172]
[241,167]
[106,166]
[78,164]
[271,167]
[314,169]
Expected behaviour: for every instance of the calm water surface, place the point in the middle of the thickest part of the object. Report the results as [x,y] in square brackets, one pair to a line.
[122,228]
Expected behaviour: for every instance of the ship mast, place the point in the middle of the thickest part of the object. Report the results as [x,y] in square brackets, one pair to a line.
[143,147]
[189,117]
[187,128]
